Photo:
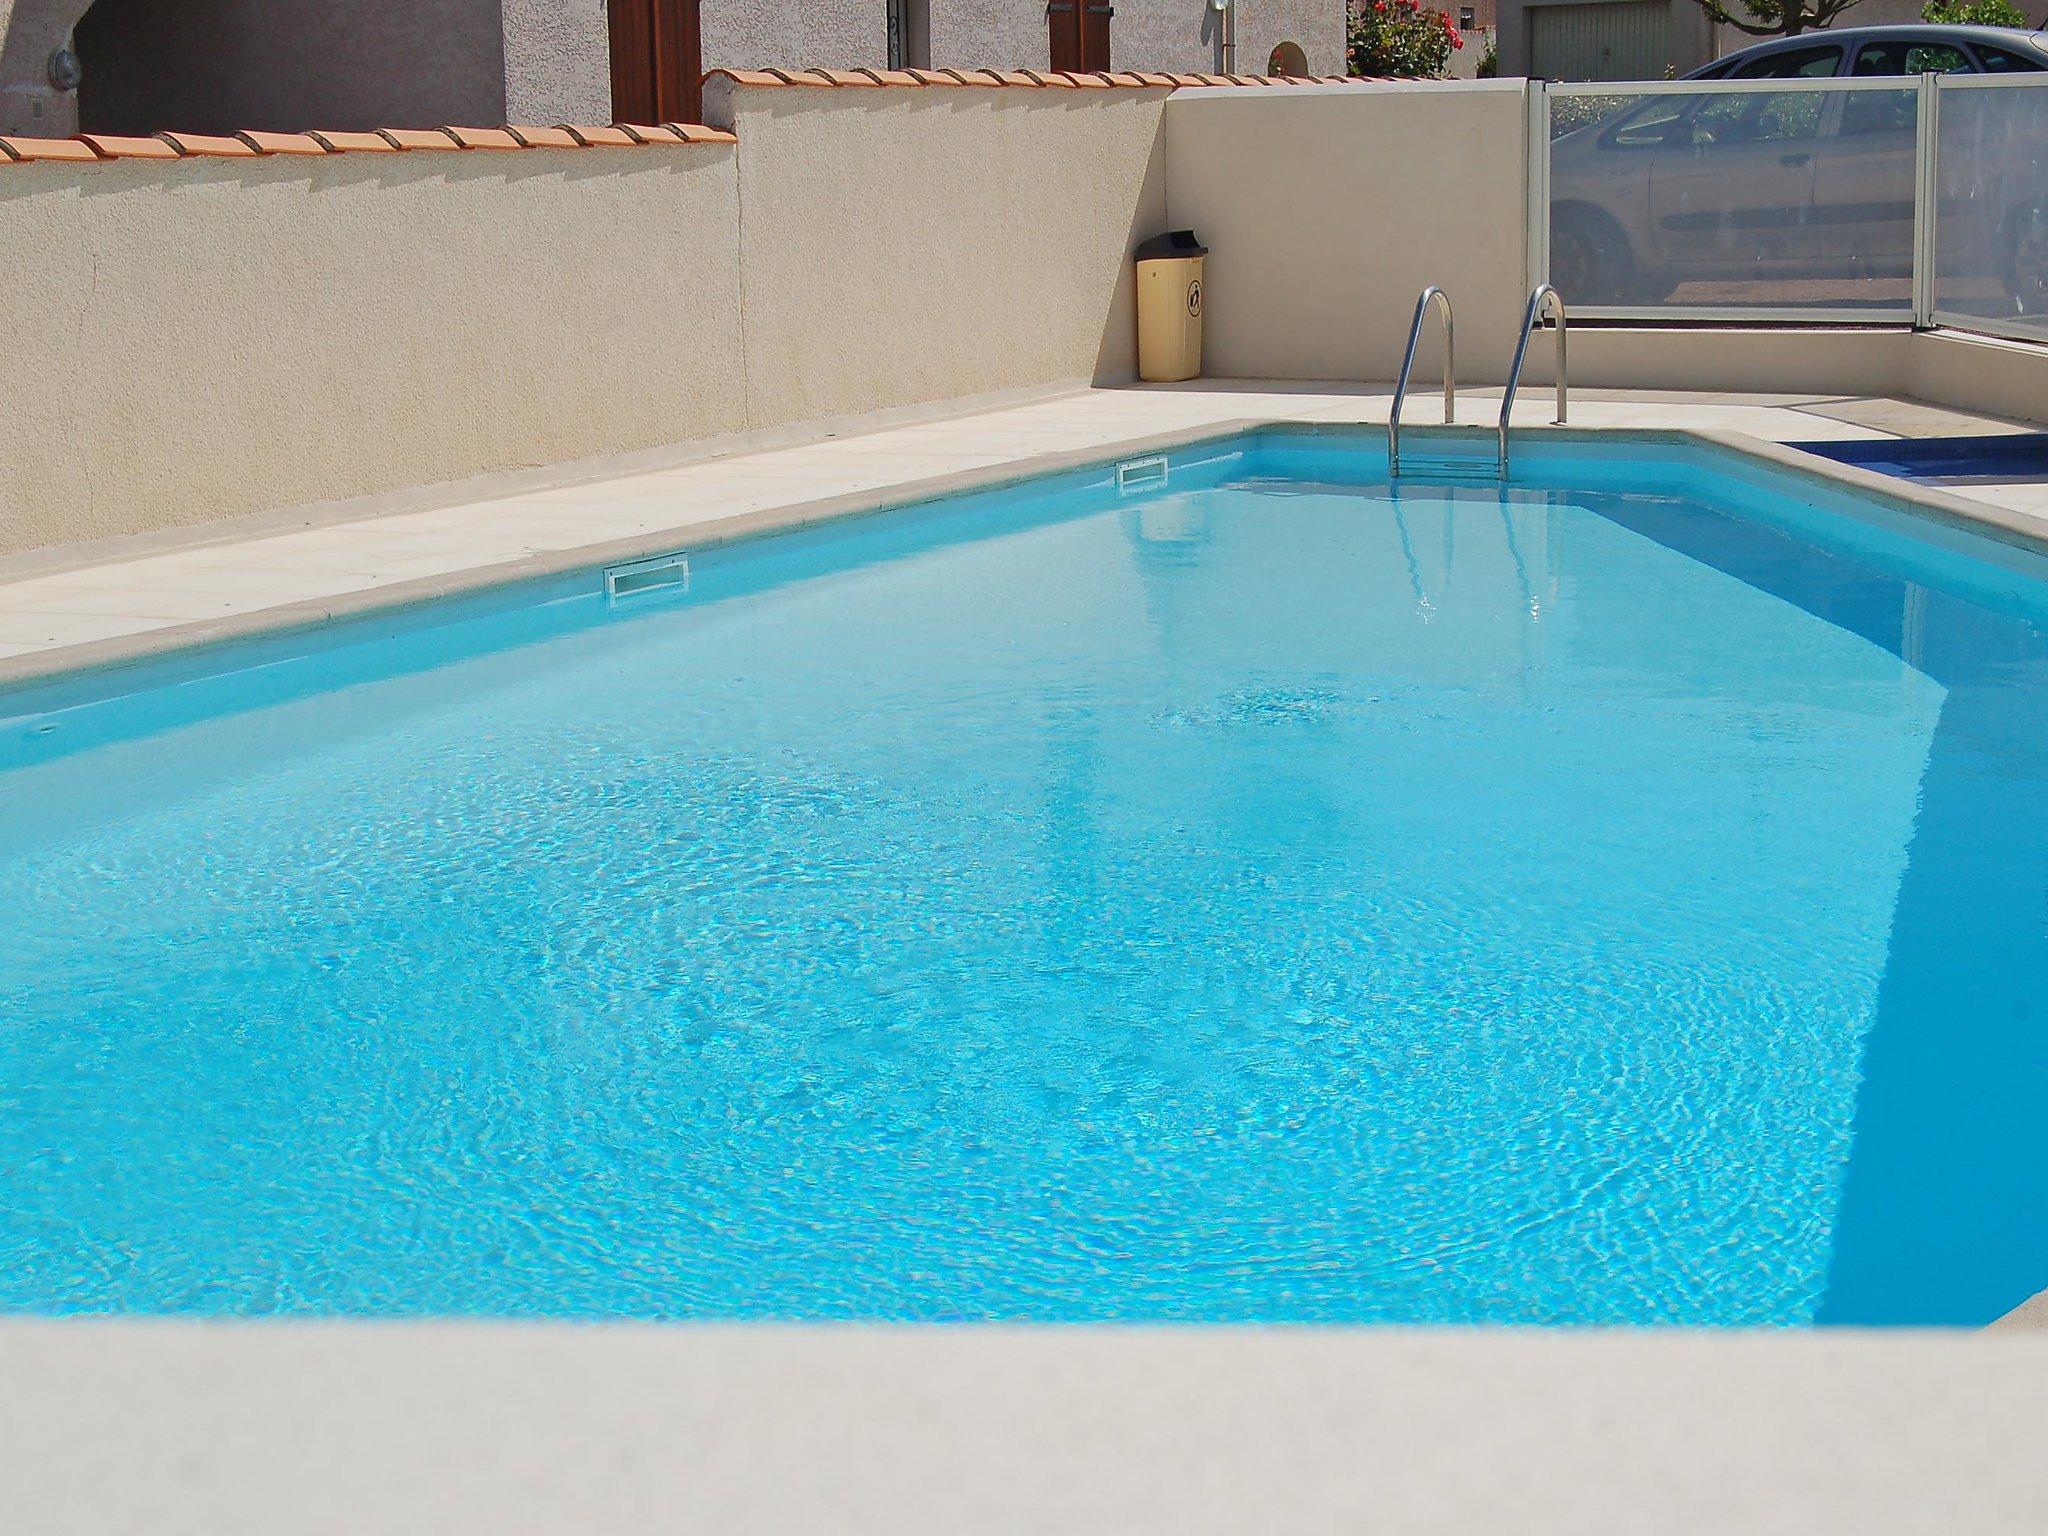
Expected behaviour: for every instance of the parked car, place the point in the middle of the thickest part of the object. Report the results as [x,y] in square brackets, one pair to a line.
[1721,187]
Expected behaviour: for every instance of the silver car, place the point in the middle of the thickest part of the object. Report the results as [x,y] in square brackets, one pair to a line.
[1773,185]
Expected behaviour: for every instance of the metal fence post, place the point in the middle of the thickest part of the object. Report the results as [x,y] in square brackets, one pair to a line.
[1926,188]
[1538,239]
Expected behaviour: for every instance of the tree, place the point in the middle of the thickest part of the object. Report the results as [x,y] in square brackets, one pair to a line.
[1972,13]
[1776,18]
[1400,38]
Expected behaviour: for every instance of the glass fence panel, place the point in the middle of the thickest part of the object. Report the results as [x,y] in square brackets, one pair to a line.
[1774,200]
[1991,202]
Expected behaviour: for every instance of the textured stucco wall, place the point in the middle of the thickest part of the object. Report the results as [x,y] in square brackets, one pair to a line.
[918,245]
[1327,211]
[1174,35]
[557,61]
[225,336]
[30,30]
[1179,35]
[809,34]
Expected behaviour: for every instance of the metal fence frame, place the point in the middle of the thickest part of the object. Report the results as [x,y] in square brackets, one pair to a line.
[1920,313]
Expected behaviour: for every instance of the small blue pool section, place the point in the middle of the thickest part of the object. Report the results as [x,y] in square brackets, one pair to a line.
[1616,898]
[2001,458]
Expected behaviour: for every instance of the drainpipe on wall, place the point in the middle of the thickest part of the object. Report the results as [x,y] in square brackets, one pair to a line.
[1226,31]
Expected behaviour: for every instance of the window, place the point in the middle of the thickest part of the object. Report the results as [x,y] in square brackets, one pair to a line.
[1080,35]
[1792,64]
[1288,61]
[2000,61]
[1467,18]
[1652,124]
[910,34]
[1896,111]
[1759,119]
[1905,56]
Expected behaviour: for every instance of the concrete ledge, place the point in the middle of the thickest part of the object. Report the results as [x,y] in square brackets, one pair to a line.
[219,1429]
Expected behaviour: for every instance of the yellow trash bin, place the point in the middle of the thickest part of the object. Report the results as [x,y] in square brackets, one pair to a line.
[1170,307]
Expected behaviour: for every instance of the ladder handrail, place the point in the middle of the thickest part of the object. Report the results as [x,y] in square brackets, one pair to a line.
[1431,294]
[1532,317]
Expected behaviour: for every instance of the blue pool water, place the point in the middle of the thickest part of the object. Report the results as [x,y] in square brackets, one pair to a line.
[1618,898]
[1996,458]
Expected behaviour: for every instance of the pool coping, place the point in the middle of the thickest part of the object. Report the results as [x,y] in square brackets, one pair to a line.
[308,616]
[179,1428]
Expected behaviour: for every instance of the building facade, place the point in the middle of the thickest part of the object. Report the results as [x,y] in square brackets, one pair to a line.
[138,66]
[1637,39]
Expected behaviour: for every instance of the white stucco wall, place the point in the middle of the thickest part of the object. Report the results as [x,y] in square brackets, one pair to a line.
[917,245]
[230,336]
[804,34]
[226,336]
[557,57]
[1327,209]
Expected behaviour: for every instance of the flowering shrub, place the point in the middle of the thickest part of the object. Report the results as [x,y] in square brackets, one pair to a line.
[1401,38]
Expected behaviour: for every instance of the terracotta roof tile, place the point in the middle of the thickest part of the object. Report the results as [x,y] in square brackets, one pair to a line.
[282,143]
[598,138]
[419,138]
[353,143]
[483,138]
[110,146]
[693,133]
[530,137]
[175,145]
[642,133]
[47,149]
[206,144]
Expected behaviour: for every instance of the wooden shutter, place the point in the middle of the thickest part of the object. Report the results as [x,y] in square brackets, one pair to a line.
[1094,36]
[657,61]
[1064,18]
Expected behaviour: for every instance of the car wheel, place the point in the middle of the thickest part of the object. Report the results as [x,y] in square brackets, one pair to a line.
[1590,263]
[2025,260]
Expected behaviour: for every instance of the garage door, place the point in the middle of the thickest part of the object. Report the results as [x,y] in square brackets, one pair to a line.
[1629,40]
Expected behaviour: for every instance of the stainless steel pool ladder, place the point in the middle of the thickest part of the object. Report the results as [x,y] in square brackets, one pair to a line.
[1430,295]
[1543,296]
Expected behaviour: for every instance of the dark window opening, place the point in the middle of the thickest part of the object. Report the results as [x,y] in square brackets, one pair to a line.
[657,61]
[1080,35]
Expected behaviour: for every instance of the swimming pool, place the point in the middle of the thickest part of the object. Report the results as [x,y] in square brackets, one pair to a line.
[1620,897]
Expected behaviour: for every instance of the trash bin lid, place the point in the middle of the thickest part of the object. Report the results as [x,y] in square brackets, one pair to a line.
[1172,246]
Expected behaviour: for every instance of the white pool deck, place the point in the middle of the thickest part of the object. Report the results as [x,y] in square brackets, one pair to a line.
[68,609]
[167,1428]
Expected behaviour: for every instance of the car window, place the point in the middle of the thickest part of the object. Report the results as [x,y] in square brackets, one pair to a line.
[1895,57]
[1910,56]
[1793,64]
[1651,125]
[2002,61]
[1758,118]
